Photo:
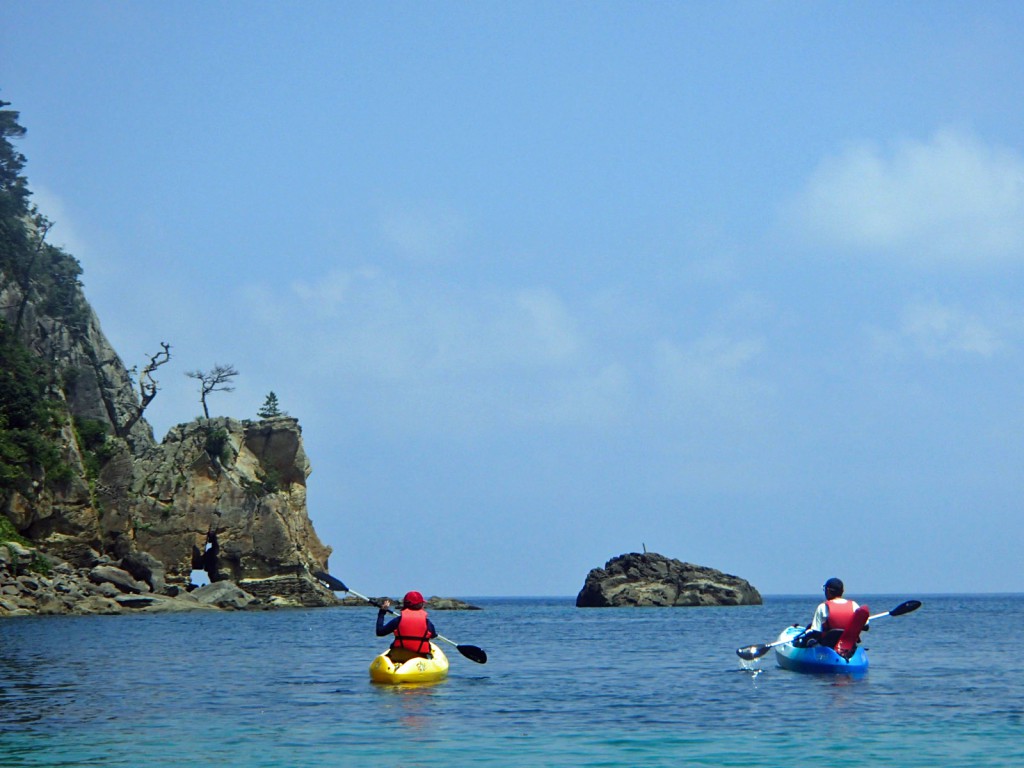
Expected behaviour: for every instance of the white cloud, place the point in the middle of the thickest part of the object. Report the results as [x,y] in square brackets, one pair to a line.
[943,331]
[550,330]
[422,351]
[940,330]
[435,328]
[949,199]
[327,296]
[418,355]
[937,330]
[710,373]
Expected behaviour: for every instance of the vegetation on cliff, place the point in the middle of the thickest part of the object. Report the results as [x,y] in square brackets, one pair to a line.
[30,268]
[83,483]
[29,418]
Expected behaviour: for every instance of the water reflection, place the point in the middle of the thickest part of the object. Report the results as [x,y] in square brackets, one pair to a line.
[416,704]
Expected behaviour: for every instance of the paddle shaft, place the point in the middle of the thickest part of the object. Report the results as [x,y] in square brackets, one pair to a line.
[471,652]
[393,612]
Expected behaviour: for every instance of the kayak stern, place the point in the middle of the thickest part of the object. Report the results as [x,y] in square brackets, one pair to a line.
[817,659]
[416,670]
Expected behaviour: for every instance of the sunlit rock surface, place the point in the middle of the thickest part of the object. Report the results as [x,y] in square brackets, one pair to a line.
[650,579]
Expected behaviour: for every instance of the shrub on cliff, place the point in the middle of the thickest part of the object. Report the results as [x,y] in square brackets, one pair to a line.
[29,418]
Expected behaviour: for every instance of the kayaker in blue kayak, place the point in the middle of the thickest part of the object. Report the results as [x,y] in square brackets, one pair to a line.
[837,622]
[412,629]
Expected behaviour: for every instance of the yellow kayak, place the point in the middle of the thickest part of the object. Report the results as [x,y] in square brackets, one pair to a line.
[418,670]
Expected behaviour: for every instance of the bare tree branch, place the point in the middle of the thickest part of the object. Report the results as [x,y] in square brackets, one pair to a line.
[217,379]
[148,386]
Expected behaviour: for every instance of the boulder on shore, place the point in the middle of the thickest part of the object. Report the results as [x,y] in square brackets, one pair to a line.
[651,580]
[35,583]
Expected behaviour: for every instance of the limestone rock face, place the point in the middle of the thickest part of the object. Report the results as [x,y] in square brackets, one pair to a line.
[96,383]
[650,579]
[221,495]
[239,486]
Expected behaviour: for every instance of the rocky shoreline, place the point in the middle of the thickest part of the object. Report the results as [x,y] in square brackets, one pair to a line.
[96,515]
[34,583]
[104,589]
[433,603]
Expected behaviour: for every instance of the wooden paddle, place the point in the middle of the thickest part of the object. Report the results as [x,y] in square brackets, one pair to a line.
[751,652]
[471,652]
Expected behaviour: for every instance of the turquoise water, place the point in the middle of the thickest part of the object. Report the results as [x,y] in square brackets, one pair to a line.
[563,687]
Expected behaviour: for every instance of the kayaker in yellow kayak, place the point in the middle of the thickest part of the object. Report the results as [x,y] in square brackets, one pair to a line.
[412,629]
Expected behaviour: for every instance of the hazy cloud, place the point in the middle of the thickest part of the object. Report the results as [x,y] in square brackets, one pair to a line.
[937,330]
[711,373]
[434,353]
[63,232]
[940,330]
[951,198]
[426,234]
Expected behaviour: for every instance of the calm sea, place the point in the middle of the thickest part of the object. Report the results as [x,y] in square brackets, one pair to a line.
[563,687]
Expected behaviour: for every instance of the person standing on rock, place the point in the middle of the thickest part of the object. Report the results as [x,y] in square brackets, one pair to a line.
[412,629]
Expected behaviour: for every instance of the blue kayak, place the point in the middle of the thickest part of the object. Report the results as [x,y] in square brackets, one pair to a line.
[818,658]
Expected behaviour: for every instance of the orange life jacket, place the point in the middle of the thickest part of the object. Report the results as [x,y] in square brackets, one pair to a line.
[412,633]
[840,614]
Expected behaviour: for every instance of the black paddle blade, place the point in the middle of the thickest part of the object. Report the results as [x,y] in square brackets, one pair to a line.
[471,652]
[331,582]
[752,652]
[907,607]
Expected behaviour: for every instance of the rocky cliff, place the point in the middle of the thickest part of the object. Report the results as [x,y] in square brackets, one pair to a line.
[85,486]
[650,579]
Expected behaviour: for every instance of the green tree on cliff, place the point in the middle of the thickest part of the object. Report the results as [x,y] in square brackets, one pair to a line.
[30,415]
[29,418]
[13,186]
[14,194]
[41,272]
[270,408]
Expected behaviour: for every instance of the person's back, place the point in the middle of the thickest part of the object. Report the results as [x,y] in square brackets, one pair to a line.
[412,629]
[835,612]
[838,621]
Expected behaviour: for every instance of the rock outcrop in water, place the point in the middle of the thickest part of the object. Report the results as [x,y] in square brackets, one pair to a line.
[650,579]
[95,514]
[232,504]
[92,508]
[155,509]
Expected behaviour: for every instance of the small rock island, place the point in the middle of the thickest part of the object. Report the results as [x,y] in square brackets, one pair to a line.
[653,580]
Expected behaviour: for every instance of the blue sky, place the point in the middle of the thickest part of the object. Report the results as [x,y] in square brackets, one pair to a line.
[547,282]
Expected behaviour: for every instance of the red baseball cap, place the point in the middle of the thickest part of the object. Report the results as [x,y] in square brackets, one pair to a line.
[413,598]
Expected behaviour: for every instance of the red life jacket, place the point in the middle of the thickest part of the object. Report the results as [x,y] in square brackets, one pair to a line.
[851,635]
[840,614]
[412,633]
